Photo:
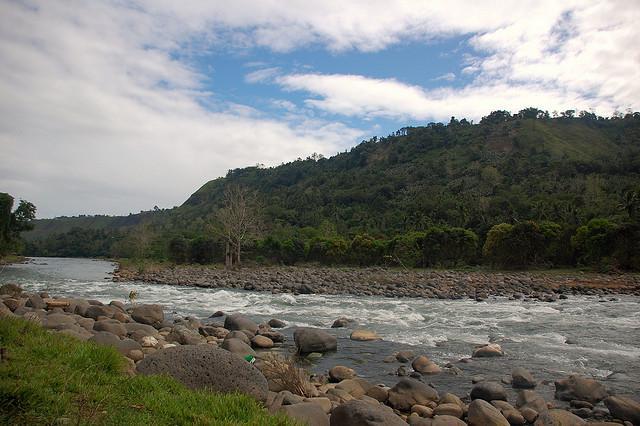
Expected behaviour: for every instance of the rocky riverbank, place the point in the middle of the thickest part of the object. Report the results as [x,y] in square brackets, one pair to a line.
[218,353]
[547,286]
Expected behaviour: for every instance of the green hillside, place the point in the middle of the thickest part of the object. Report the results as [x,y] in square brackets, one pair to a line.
[505,169]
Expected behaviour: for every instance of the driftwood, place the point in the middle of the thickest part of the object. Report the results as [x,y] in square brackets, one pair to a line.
[57,304]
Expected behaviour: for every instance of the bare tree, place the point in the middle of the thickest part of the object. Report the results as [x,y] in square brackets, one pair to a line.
[239,220]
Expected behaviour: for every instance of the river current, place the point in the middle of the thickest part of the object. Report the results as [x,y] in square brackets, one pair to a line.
[589,335]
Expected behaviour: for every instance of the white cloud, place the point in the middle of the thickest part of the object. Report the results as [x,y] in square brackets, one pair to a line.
[262,75]
[98,118]
[446,77]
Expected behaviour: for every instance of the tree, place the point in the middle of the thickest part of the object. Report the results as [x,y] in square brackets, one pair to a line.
[239,219]
[13,223]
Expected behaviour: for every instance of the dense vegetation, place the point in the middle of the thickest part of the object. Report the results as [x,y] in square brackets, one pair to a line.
[511,191]
[56,379]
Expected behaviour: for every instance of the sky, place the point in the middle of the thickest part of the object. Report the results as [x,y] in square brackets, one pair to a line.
[112,107]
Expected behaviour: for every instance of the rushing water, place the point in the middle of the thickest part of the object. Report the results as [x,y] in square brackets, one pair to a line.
[604,334]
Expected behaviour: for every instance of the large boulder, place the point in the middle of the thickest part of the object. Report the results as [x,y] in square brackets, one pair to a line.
[624,408]
[238,347]
[558,418]
[580,388]
[124,346]
[185,336]
[314,340]
[112,326]
[308,413]
[531,400]
[409,392]
[521,378]
[360,413]
[488,350]
[207,367]
[488,391]
[481,413]
[152,315]
[56,321]
[146,329]
[424,365]
[240,322]
[97,311]
[36,302]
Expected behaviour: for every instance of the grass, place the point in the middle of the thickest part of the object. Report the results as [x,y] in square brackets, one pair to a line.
[48,378]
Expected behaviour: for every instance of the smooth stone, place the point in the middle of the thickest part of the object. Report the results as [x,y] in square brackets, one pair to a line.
[557,417]
[481,413]
[238,347]
[261,342]
[624,408]
[276,323]
[340,373]
[152,315]
[240,322]
[364,335]
[488,350]
[580,388]
[488,391]
[448,409]
[424,365]
[360,413]
[309,340]
[521,378]
[409,392]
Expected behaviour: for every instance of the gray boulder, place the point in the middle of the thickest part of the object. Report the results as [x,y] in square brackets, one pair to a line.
[124,346]
[112,326]
[409,392]
[481,413]
[207,367]
[96,311]
[521,378]
[148,314]
[624,408]
[36,302]
[558,418]
[489,391]
[530,399]
[57,321]
[238,347]
[276,323]
[240,322]
[146,329]
[238,335]
[580,388]
[185,336]
[360,413]
[314,340]
[308,413]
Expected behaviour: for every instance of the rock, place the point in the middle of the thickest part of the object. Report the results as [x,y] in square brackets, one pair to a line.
[437,421]
[481,413]
[580,404]
[323,402]
[624,408]
[364,335]
[240,322]
[581,388]
[488,391]
[378,393]
[97,311]
[36,302]
[340,373]
[146,329]
[207,367]
[352,386]
[488,350]
[341,322]
[152,315]
[314,340]
[424,365]
[478,378]
[238,347]
[522,379]
[217,314]
[239,335]
[530,399]
[448,409]
[135,355]
[109,339]
[307,413]
[217,332]
[11,303]
[558,418]
[405,356]
[273,335]
[529,414]
[184,336]
[509,412]
[112,326]
[276,323]
[261,342]
[57,321]
[422,410]
[148,342]
[360,413]
[408,392]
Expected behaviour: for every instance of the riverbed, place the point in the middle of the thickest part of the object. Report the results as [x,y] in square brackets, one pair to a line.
[596,336]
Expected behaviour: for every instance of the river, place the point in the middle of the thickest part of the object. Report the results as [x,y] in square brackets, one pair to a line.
[589,335]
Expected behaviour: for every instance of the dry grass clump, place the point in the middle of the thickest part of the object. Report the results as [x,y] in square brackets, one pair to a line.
[285,374]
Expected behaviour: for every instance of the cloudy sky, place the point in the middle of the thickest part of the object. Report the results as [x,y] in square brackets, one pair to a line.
[112,107]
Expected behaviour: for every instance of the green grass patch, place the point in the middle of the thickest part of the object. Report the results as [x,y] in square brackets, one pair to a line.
[48,378]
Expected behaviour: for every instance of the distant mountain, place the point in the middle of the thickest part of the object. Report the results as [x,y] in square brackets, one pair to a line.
[507,168]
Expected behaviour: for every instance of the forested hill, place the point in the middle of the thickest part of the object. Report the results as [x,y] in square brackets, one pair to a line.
[505,169]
